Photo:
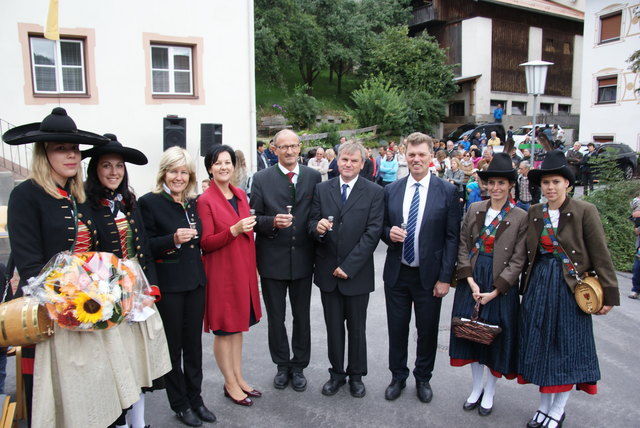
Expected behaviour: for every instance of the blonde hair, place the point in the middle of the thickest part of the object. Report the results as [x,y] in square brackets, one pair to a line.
[239,177]
[457,162]
[417,138]
[174,157]
[41,175]
[329,153]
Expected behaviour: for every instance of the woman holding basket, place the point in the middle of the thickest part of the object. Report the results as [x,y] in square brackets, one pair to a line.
[491,256]
[565,240]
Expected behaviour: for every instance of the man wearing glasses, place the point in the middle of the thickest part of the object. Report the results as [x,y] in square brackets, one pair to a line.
[281,196]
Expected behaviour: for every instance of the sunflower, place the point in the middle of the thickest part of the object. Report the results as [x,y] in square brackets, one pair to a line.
[88,309]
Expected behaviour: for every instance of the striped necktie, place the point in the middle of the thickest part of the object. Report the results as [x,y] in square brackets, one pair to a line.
[408,250]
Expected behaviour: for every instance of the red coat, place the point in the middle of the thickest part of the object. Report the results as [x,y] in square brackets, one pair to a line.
[230,263]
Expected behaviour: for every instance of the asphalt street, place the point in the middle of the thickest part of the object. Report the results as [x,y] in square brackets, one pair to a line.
[615,405]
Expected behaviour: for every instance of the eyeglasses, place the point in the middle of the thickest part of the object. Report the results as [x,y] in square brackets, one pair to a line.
[288,147]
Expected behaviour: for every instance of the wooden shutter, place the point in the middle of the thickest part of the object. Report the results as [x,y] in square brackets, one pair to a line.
[610,27]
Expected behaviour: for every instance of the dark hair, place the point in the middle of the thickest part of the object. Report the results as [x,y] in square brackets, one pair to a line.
[214,153]
[591,144]
[96,191]
[477,152]
[260,144]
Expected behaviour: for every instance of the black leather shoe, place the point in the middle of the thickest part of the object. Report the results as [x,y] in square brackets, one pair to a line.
[189,417]
[470,406]
[298,381]
[394,389]
[332,386]
[356,388]
[281,380]
[548,419]
[425,394]
[482,411]
[205,414]
[533,422]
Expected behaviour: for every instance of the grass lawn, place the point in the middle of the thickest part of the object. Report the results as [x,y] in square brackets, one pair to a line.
[268,94]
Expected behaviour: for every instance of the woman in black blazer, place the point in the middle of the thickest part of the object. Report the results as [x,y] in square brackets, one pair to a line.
[173,228]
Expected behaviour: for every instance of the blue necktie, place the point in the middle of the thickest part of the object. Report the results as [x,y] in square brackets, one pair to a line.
[408,251]
[344,193]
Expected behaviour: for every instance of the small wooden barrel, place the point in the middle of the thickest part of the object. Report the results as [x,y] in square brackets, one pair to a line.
[24,321]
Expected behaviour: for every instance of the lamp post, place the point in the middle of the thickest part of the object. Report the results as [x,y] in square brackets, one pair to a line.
[536,73]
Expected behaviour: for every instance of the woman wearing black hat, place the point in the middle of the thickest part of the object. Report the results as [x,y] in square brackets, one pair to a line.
[491,256]
[120,231]
[174,229]
[78,375]
[557,349]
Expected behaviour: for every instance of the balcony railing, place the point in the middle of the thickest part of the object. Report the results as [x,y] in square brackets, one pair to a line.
[14,158]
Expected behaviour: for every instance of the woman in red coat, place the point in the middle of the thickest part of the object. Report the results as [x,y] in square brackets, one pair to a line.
[232,297]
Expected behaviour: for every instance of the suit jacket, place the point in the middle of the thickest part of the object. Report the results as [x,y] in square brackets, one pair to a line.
[581,234]
[509,249]
[178,269]
[367,170]
[533,190]
[439,232]
[109,237]
[283,254]
[41,226]
[230,262]
[357,226]
[262,161]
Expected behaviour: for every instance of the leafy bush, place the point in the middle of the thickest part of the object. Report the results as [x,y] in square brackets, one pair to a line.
[612,201]
[302,109]
[378,103]
[333,137]
[424,112]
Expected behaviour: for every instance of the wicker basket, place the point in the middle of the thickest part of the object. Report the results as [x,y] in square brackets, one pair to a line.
[474,330]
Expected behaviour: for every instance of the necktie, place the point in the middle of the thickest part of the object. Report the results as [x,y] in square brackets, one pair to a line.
[290,175]
[408,250]
[344,193]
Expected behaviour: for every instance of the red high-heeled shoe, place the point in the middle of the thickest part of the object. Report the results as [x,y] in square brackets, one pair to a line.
[246,401]
[253,393]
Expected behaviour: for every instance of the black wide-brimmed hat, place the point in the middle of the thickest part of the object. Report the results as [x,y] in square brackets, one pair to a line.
[115,147]
[555,163]
[57,127]
[500,166]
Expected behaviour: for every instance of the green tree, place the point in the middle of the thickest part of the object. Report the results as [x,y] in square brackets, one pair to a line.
[379,103]
[411,63]
[634,63]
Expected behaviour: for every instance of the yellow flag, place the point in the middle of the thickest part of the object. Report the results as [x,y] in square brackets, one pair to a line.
[52,32]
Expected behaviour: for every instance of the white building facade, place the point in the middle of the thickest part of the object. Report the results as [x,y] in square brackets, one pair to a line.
[610,104]
[121,67]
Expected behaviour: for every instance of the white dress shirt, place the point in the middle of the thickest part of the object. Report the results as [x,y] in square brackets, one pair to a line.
[349,184]
[296,171]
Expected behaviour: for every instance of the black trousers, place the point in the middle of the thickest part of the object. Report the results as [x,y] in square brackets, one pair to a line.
[339,309]
[182,314]
[407,292]
[274,292]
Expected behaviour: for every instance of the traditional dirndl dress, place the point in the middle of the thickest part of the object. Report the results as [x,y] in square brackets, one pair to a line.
[557,348]
[501,356]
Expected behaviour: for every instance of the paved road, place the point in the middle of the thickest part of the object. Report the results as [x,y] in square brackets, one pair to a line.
[616,404]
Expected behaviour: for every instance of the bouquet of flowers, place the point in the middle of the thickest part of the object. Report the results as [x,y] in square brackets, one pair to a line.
[90,291]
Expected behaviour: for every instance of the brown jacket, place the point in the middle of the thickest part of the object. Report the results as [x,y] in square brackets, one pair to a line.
[581,235]
[508,249]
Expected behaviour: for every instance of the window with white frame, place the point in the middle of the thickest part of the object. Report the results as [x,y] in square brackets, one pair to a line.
[172,70]
[607,89]
[58,66]
[610,26]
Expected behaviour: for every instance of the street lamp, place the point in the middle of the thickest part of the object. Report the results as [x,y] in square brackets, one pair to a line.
[536,73]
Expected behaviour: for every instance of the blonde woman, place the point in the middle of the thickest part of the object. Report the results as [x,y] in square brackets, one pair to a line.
[174,229]
[403,169]
[240,176]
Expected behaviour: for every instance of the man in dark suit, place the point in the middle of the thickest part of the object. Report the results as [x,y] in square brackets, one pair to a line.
[420,262]
[262,160]
[344,269]
[284,253]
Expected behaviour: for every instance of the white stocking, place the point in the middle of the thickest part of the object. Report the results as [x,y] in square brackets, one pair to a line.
[489,390]
[135,416]
[477,371]
[545,405]
[557,408]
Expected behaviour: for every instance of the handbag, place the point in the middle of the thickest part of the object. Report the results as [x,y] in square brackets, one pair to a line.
[588,291]
[474,330]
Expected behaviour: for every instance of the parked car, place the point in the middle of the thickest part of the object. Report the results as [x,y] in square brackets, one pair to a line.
[625,156]
[470,129]
[520,133]
[4,249]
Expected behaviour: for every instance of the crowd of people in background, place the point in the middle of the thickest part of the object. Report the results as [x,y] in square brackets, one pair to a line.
[301,220]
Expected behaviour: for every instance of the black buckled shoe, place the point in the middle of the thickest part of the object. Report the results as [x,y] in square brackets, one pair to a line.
[533,422]
[424,392]
[483,411]
[394,389]
[205,414]
[189,418]
[298,381]
[470,406]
